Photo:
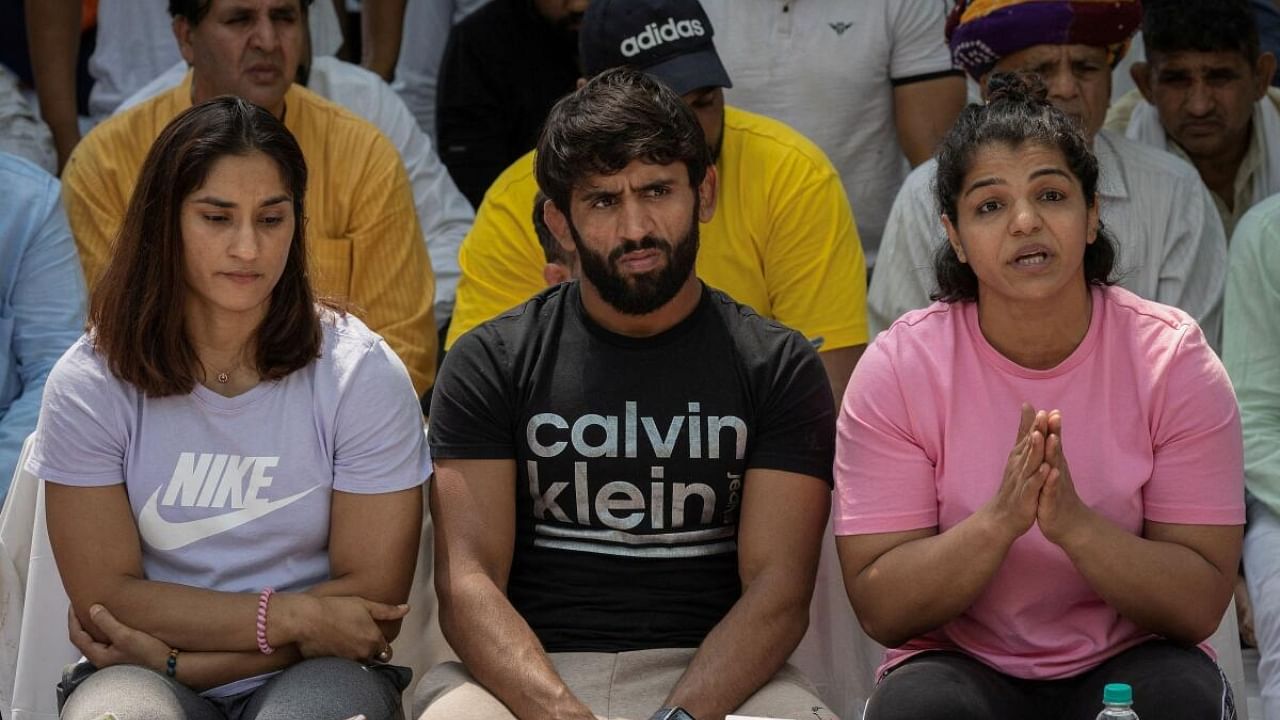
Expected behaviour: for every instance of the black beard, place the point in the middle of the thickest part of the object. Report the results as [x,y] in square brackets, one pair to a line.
[640,294]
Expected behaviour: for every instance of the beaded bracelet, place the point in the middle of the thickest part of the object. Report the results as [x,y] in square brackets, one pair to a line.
[263,599]
[171,665]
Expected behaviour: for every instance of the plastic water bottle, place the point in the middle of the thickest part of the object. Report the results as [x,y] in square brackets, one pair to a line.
[1117,703]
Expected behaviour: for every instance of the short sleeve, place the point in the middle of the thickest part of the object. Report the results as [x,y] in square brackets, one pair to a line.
[919,40]
[83,432]
[472,414]
[884,478]
[797,422]
[904,268]
[1197,474]
[500,258]
[380,446]
[814,266]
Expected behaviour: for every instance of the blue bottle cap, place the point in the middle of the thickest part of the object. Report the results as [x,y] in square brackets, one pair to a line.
[1117,694]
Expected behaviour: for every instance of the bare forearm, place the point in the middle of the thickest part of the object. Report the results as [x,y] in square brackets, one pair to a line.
[53,33]
[204,670]
[742,653]
[380,35]
[924,111]
[196,619]
[354,585]
[501,651]
[839,364]
[1165,588]
[925,583]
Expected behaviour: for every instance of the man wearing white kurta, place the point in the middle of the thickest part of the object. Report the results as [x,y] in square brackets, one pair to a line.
[1172,248]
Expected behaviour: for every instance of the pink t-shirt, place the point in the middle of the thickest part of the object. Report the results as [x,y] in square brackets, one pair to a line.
[1150,429]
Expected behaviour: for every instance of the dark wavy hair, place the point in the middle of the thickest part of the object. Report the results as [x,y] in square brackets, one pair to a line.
[620,115]
[195,10]
[136,310]
[1017,112]
[1170,26]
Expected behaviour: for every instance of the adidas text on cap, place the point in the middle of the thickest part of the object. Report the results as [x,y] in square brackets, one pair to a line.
[668,39]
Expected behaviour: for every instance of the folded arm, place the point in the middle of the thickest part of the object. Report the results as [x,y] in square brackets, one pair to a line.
[96,544]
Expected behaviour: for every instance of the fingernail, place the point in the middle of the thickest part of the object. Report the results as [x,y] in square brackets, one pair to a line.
[403,606]
[94,610]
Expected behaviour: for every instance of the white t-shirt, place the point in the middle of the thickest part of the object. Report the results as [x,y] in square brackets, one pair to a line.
[422,41]
[135,44]
[444,214]
[827,68]
[1170,242]
[233,494]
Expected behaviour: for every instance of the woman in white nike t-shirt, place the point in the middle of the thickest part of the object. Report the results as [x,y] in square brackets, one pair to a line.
[233,470]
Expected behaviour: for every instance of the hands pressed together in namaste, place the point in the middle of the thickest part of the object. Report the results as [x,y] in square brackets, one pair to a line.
[1037,486]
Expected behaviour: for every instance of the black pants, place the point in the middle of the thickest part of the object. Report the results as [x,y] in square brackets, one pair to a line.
[1170,682]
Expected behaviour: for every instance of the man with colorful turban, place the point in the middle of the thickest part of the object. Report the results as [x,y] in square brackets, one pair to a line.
[1204,95]
[1171,241]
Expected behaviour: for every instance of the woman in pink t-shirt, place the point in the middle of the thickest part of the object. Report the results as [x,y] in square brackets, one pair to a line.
[1039,476]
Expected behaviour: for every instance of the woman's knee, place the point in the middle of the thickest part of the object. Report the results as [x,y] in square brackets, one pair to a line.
[940,686]
[130,692]
[1169,681]
[330,687]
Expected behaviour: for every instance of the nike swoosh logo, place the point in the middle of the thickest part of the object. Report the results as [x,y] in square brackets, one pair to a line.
[164,535]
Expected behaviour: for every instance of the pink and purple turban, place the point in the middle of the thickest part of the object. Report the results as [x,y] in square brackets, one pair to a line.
[981,32]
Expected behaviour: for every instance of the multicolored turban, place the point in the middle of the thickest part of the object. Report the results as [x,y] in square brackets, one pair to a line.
[981,32]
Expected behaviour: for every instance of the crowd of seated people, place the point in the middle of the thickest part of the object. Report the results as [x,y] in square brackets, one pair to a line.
[672,314]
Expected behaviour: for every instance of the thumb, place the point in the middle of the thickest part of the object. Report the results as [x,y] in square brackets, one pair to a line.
[1025,421]
[107,622]
[382,611]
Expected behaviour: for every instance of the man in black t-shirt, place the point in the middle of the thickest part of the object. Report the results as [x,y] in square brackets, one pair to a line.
[632,470]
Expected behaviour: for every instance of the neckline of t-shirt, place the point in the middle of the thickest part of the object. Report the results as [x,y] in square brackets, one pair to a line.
[224,404]
[663,338]
[1077,356]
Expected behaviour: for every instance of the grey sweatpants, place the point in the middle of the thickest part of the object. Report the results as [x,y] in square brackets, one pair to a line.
[616,686]
[318,689]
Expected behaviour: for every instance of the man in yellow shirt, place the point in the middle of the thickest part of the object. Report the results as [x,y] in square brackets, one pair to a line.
[362,230]
[782,239]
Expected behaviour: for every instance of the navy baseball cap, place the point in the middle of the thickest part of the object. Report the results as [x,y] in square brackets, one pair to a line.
[668,39]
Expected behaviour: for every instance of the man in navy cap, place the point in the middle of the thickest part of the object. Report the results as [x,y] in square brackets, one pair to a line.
[782,240]
[632,471]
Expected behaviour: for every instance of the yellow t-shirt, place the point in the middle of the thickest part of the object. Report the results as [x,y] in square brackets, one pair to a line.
[364,243]
[782,240]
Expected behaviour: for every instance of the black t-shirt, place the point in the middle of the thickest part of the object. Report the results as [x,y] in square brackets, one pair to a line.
[630,457]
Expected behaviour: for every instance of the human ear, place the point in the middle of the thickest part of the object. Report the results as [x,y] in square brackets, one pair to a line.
[953,237]
[558,224]
[1263,71]
[708,195]
[1141,74]
[182,33]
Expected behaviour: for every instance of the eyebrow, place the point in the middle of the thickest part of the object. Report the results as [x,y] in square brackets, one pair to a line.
[988,182]
[1048,171]
[985,182]
[219,202]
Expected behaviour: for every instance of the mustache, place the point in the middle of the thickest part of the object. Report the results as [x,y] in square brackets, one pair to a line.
[648,242]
